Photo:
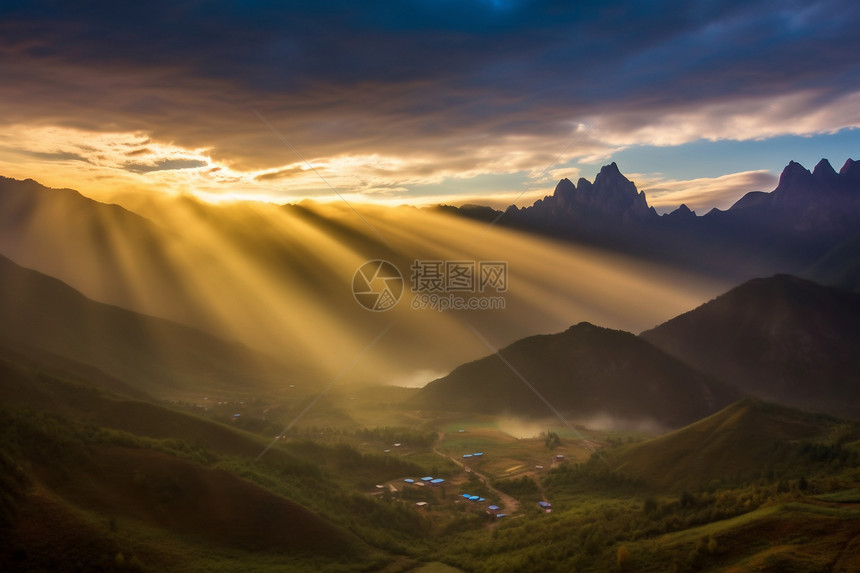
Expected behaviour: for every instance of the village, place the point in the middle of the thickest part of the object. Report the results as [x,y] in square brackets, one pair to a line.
[477,485]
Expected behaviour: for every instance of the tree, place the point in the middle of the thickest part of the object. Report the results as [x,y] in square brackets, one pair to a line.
[552,440]
[624,558]
[649,506]
[712,545]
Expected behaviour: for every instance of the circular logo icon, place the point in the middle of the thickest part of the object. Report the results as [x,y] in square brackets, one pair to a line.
[377,285]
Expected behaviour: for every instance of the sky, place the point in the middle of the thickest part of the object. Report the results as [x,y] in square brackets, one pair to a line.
[425,101]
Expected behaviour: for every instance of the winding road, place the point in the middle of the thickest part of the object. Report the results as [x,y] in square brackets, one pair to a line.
[509,504]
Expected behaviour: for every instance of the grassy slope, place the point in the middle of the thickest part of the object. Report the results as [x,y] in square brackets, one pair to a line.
[779,538]
[742,440]
[181,488]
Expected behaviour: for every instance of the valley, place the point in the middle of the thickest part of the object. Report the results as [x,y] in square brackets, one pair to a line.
[146,486]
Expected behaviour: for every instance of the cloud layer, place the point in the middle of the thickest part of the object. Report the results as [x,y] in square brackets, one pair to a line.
[380,98]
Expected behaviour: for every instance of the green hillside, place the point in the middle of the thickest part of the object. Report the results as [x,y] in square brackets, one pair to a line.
[747,439]
[101,475]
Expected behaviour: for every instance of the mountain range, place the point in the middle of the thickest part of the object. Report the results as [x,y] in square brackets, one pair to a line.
[805,221]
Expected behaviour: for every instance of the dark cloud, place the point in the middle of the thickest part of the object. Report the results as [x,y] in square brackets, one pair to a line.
[418,77]
[280,174]
[55,156]
[164,165]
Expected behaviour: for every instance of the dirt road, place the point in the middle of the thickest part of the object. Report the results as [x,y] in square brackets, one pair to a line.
[509,504]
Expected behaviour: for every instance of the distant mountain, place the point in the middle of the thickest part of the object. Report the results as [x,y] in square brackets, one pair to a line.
[742,441]
[150,354]
[839,267]
[584,371]
[109,253]
[820,203]
[781,338]
[805,218]
[610,202]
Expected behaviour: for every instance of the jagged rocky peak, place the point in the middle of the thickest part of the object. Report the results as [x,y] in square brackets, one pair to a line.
[851,171]
[565,189]
[584,185]
[824,171]
[793,174]
[682,212]
[610,175]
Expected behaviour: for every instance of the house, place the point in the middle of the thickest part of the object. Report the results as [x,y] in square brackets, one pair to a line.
[545,504]
[437,481]
[409,480]
[559,458]
[427,478]
[421,504]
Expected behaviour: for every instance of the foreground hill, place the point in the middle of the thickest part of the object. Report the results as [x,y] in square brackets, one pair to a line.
[151,354]
[747,439]
[584,371]
[92,481]
[780,338]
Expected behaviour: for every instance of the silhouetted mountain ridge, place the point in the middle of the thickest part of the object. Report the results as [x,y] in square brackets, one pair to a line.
[781,338]
[787,230]
[584,371]
[151,354]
